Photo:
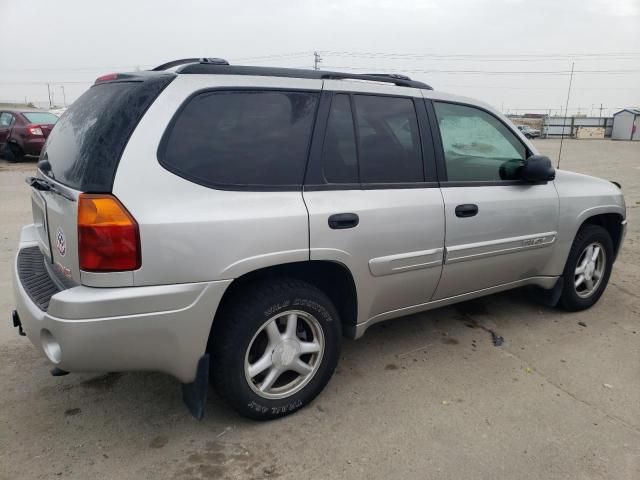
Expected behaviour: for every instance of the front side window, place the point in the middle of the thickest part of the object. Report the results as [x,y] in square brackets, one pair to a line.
[247,138]
[477,146]
[388,140]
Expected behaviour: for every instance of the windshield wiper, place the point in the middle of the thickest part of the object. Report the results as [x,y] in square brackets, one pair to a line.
[46,186]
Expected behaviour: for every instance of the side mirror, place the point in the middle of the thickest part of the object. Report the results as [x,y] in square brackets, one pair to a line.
[537,168]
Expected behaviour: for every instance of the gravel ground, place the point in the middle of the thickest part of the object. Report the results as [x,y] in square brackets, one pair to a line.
[422,397]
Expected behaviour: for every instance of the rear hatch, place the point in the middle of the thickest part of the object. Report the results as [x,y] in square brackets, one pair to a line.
[81,155]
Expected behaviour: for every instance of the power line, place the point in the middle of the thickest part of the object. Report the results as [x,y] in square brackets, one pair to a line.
[479,56]
[276,56]
[48,83]
[487,72]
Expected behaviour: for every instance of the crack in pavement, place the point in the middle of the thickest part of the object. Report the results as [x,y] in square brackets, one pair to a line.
[624,290]
[599,410]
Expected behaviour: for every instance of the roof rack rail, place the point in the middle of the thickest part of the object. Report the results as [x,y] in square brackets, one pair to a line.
[390,75]
[186,61]
[197,66]
[399,80]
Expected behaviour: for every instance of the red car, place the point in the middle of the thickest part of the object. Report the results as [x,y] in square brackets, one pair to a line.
[24,132]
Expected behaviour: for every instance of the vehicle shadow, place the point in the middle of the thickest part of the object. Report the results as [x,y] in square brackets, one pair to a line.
[142,398]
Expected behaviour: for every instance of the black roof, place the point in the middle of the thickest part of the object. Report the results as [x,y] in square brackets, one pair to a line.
[216,66]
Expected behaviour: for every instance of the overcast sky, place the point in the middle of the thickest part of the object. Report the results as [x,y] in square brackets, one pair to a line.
[452,45]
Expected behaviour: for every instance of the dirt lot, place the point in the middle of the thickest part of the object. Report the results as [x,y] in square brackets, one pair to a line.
[422,397]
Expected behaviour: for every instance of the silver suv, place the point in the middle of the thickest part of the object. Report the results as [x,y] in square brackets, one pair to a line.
[230,224]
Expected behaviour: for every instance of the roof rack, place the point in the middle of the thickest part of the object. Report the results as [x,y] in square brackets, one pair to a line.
[186,61]
[399,80]
[220,66]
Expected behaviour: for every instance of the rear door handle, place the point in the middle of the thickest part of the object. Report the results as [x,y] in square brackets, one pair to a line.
[466,210]
[343,220]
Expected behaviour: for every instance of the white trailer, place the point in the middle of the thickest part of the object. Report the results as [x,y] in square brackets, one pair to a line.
[626,124]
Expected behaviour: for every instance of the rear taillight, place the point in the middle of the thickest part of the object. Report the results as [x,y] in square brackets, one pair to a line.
[108,236]
[107,78]
[34,130]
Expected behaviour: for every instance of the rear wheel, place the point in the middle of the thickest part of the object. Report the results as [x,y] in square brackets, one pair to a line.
[274,348]
[588,268]
[13,153]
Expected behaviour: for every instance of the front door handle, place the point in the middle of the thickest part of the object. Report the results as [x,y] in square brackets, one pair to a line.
[343,220]
[466,210]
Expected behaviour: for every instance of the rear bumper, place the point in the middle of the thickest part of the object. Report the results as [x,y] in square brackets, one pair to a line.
[33,146]
[160,328]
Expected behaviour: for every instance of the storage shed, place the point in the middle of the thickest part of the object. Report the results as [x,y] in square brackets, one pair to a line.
[626,124]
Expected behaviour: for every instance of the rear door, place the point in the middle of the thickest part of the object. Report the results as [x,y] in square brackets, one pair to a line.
[371,206]
[498,229]
[6,121]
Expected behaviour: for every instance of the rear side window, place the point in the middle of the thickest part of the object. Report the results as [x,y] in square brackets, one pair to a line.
[388,140]
[339,155]
[86,143]
[241,138]
[381,145]
[6,119]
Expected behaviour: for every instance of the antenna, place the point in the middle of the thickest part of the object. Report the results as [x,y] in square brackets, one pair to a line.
[566,112]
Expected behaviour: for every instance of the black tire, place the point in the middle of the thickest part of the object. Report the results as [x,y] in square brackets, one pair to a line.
[13,153]
[240,320]
[570,299]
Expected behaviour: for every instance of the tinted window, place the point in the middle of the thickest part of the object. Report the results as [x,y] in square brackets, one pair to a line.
[86,143]
[389,140]
[339,157]
[5,119]
[242,138]
[43,118]
[477,146]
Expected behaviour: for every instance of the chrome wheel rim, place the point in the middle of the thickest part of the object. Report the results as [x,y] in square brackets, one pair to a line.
[284,354]
[589,270]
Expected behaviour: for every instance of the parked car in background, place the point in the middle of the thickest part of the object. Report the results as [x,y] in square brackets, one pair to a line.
[23,132]
[528,132]
[236,222]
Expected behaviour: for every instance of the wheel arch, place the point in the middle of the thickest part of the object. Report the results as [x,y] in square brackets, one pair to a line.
[333,278]
[612,223]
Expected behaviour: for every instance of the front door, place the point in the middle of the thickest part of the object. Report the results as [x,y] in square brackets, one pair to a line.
[498,229]
[369,205]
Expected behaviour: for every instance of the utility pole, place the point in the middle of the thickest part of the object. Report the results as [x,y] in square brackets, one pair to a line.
[600,110]
[317,60]
[566,111]
[49,92]
[64,97]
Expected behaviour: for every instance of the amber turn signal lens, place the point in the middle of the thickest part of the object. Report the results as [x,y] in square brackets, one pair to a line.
[108,235]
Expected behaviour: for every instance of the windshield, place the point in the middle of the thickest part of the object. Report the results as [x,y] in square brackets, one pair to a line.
[42,118]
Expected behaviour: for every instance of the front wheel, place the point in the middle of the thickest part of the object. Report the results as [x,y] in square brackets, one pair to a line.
[274,347]
[588,268]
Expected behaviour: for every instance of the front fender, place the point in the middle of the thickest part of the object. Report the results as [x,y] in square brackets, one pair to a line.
[581,197]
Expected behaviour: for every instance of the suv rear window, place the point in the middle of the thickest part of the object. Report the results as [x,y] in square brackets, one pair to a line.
[241,138]
[85,145]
